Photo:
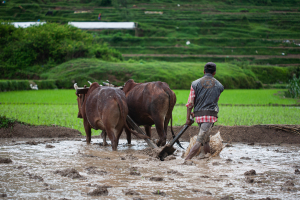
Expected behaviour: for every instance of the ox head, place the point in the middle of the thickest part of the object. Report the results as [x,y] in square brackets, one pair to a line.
[129,85]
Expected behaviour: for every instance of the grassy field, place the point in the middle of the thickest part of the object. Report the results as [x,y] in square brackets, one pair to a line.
[43,107]
[263,96]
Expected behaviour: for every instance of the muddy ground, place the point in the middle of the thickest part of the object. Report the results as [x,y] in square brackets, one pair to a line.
[56,163]
[246,134]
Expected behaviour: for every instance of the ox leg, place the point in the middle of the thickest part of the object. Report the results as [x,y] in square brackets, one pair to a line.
[128,135]
[113,139]
[88,131]
[104,138]
[148,130]
[161,133]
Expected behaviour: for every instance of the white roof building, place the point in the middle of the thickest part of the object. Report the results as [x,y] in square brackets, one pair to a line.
[103,25]
[26,24]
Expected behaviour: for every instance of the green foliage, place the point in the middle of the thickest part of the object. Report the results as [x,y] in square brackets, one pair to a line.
[11,85]
[38,48]
[105,53]
[272,74]
[293,88]
[6,122]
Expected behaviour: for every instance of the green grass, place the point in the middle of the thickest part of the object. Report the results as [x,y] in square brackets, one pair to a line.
[39,96]
[49,112]
[66,115]
[263,96]
[232,116]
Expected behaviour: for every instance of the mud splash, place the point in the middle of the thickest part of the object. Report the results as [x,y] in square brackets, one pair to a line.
[96,172]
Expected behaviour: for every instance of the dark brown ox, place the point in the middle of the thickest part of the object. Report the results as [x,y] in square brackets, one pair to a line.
[151,103]
[104,108]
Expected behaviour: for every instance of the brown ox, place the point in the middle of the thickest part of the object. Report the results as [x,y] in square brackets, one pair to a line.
[151,103]
[104,108]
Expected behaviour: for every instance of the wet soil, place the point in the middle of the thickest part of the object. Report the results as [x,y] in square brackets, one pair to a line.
[258,163]
[245,134]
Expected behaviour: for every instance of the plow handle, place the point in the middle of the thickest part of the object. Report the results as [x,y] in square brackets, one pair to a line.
[139,130]
[180,133]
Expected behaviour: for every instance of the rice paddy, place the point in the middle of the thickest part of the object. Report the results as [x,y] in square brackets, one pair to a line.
[59,108]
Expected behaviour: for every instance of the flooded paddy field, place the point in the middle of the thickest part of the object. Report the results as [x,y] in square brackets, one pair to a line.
[43,168]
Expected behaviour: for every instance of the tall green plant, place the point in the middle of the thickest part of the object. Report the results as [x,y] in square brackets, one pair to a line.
[293,88]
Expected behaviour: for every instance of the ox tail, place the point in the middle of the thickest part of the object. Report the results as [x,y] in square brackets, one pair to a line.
[172,102]
[122,106]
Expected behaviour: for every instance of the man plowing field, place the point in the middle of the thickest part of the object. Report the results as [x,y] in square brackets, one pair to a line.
[204,96]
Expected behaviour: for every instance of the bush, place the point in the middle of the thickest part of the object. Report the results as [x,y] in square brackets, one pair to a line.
[26,51]
[6,122]
[105,53]
[12,85]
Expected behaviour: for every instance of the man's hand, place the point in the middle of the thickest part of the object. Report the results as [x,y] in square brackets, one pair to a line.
[189,122]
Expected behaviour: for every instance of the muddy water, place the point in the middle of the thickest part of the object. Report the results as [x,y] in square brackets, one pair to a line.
[31,174]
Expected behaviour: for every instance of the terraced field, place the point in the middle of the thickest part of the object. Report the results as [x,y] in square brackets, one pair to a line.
[260,32]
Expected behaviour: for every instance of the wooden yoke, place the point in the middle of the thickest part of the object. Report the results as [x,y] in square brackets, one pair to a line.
[82,91]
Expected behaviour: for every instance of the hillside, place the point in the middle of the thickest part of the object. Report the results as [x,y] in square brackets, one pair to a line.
[242,32]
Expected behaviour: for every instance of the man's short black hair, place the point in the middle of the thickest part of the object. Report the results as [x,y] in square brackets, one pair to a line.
[210,67]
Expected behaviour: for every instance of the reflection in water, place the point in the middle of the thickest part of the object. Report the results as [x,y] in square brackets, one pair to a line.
[126,169]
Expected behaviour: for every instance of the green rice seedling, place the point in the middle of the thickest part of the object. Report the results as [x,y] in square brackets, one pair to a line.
[243,96]
[237,115]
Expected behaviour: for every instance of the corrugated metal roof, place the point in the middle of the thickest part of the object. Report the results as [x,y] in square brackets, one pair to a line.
[103,25]
[26,24]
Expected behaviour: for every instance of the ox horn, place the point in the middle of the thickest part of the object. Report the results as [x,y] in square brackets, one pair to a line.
[90,82]
[75,86]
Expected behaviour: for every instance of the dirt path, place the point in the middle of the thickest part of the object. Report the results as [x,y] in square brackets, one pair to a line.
[297,56]
[248,134]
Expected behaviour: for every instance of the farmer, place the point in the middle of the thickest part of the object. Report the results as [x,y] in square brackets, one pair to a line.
[204,96]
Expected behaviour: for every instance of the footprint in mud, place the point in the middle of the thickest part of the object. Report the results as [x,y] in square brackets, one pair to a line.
[188,162]
[5,160]
[249,180]
[33,176]
[288,186]
[171,157]
[93,170]
[130,192]
[227,198]
[137,198]
[252,172]
[250,192]
[159,192]
[70,173]
[21,167]
[130,157]
[33,143]
[98,192]
[134,171]
[98,186]
[245,158]
[156,179]
[202,191]
[174,172]
[204,176]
